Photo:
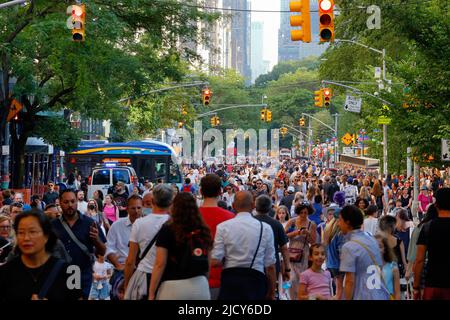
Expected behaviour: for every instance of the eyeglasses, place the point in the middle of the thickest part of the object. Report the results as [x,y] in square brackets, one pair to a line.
[31,233]
[51,185]
[5,227]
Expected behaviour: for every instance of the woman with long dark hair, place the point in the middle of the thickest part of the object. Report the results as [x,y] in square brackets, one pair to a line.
[183,247]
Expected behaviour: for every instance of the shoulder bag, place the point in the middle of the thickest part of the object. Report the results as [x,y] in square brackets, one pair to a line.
[50,279]
[147,249]
[240,283]
[379,269]
[296,254]
[75,239]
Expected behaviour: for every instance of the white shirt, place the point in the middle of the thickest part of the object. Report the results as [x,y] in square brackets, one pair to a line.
[236,241]
[118,238]
[142,232]
[228,198]
[371,225]
[101,269]
[82,206]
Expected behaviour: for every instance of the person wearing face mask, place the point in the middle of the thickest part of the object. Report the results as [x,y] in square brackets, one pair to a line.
[118,238]
[147,204]
[97,216]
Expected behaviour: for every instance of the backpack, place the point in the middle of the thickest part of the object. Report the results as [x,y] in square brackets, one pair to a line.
[195,254]
[187,188]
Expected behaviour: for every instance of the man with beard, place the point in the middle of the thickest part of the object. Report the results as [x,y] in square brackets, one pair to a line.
[81,237]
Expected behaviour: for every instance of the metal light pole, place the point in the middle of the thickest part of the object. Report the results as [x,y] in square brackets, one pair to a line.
[385,153]
[12,3]
[408,163]
[309,138]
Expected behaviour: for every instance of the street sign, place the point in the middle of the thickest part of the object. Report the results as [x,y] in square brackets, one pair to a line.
[445,150]
[384,120]
[347,150]
[15,108]
[353,104]
[347,139]
[377,72]
[5,150]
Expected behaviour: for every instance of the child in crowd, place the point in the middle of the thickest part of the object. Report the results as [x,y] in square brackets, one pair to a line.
[100,286]
[391,275]
[315,283]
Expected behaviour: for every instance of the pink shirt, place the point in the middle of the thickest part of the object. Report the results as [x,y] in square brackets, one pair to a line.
[317,283]
[110,213]
[424,201]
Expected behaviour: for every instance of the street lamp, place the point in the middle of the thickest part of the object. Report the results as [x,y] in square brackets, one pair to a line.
[262,98]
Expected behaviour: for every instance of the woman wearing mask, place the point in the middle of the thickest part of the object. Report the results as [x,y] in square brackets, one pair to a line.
[97,216]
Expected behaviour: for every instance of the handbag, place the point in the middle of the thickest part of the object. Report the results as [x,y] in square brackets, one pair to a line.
[240,283]
[296,254]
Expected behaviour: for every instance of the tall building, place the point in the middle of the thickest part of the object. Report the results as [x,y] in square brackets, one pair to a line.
[297,50]
[240,42]
[257,50]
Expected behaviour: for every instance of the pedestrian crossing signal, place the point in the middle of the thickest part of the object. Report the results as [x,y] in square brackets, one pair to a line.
[318,98]
[302,122]
[269,116]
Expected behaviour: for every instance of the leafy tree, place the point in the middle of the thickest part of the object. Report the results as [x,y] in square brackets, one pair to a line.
[131,46]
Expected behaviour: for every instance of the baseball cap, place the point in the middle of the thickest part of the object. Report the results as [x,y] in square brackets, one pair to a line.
[424,187]
[291,189]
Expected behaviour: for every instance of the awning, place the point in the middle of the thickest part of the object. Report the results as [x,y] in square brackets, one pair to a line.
[38,145]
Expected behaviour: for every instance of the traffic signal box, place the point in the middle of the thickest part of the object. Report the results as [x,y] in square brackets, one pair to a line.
[327,97]
[215,121]
[180,124]
[326,20]
[78,22]
[283,131]
[263,115]
[268,116]
[302,122]
[318,98]
[303,21]
[206,96]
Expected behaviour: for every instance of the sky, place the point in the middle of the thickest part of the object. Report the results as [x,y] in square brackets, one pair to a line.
[271,24]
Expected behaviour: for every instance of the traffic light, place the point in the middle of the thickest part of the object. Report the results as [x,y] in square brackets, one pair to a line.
[303,21]
[318,98]
[78,22]
[327,96]
[283,131]
[326,20]
[263,115]
[180,125]
[206,96]
[302,122]
[215,121]
[354,138]
[184,111]
[268,116]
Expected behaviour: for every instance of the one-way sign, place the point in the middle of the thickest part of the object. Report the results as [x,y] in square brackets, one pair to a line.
[445,152]
[353,104]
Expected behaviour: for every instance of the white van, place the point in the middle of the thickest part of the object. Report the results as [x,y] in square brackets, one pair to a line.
[102,178]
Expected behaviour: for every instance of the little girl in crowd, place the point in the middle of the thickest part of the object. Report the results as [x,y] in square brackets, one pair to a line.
[315,283]
[100,289]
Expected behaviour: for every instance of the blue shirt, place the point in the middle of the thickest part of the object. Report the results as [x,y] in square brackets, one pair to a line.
[356,259]
[81,229]
[334,251]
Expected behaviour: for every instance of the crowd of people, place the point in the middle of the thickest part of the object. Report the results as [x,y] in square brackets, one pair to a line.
[298,231]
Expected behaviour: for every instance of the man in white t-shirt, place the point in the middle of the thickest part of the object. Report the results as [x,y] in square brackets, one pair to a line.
[143,232]
[81,205]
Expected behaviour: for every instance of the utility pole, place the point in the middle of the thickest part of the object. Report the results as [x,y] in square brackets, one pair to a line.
[336,120]
[385,151]
[309,138]
[415,203]
[408,163]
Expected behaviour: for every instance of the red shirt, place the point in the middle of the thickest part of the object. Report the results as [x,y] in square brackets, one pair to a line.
[213,216]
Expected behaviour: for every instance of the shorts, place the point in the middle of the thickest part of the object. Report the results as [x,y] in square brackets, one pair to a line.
[335,272]
[99,290]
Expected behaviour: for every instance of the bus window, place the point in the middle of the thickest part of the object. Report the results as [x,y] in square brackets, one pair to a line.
[174,173]
[101,177]
[160,169]
[121,175]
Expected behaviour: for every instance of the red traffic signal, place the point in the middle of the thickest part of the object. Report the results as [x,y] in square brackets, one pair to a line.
[327,96]
[326,20]
[206,96]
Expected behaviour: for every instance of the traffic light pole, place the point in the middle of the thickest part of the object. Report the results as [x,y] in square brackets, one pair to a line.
[231,107]
[12,3]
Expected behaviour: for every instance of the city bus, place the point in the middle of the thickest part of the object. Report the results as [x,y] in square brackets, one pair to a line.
[152,160]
